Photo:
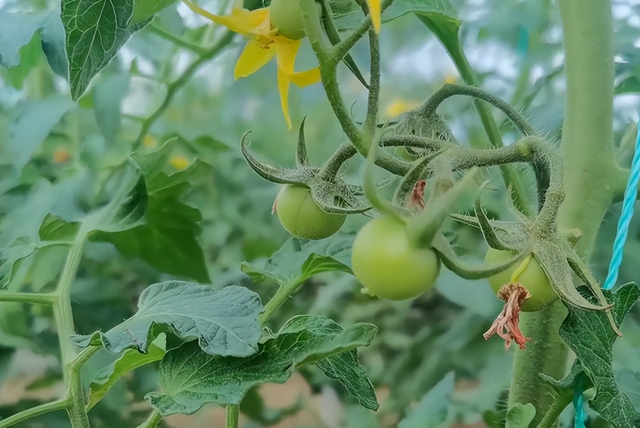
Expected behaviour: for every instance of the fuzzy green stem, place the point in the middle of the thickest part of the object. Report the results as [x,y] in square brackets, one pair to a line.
[233,413]
[588,165]
[33,412]
[35,298]
[558,405]
[509,174]
[63,316]
[152,421]
[278,300]
[371,120]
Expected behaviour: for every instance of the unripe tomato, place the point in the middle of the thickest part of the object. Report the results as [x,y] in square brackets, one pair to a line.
[533,278]
[385,261]
[301,216]
[287,18]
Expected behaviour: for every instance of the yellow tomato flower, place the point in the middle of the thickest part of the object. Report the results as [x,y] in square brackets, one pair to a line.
[179,162]
[149,141]
[264,44]
[375,10]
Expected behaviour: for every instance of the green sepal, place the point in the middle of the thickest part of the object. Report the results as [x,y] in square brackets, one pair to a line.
[275,175]
[489,233]
[465,270]
[418,171]
[331,194]
[424,227]
[371,192]
[553,260]
[302,158]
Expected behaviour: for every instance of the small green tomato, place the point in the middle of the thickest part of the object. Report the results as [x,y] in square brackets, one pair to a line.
[286,16]
[385,261]
[301,216]
[533,278]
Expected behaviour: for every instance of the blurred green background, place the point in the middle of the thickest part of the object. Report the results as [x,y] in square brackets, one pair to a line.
[515,46]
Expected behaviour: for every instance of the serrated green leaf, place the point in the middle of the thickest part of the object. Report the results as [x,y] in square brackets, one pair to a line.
[145,9]
[167,239]
[226,380]
[33,125]
[520,415]
[225,321]
[298,260]
[433,408]
[95,31]
[130,360]
[589,335]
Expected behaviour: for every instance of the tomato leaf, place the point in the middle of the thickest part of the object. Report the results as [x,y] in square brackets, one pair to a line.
[108,94]
[225,321]
[298,260]
[16,31]
[433,408]
[589,335]
[302,340]
[95,31]
[130,360]
[166,239]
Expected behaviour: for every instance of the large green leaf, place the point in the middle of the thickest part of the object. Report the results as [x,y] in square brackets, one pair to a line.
[95,31]
[130,360]
[298,260]
[167,239]
[590,336]
[226,380]
[433,408]
[225,321]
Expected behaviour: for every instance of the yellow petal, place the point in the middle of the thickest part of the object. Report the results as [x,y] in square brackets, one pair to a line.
[375,11]
[305,78]
[252,59]
[286,51]
[283,88]
[240,21]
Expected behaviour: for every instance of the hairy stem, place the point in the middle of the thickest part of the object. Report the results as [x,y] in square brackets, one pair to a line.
[63,316]
[233,412]
[588,165]
[278,300]
[152,421]
[36,298]
[40,410]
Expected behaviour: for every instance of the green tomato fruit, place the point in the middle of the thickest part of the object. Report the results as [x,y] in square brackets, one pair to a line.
[301,216]
[287,18]
[388,265]
[533,278]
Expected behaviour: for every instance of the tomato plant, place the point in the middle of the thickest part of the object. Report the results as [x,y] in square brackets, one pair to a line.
[142,275]
[531,276]
[387,263]
[302,217]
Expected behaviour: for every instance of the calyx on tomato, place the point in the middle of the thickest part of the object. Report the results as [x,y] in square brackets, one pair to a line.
[388,264]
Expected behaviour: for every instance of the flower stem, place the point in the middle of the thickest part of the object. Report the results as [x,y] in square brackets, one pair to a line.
[36,298]
[25,415]
[152,421]
[233,412]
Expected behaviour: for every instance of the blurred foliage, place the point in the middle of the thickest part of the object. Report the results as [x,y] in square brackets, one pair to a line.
[55,155]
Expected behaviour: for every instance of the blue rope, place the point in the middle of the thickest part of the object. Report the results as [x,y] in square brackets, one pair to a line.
[616,258]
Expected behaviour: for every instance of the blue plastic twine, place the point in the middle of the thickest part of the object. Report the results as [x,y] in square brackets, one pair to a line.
[616,258]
